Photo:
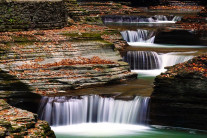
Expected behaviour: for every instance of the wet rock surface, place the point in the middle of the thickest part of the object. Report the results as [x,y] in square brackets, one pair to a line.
[179,96]
[15,122]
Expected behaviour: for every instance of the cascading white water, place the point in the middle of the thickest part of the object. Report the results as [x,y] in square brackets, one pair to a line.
[170,59]
[150,63]
[138,36]
[161,17]
[146,38]
[177,18]
[143,60]
[141,19]
[65,111]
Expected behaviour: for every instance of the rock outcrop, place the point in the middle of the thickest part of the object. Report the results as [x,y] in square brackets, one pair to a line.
[180,37]
[17,93]
[179,97]
[15,122]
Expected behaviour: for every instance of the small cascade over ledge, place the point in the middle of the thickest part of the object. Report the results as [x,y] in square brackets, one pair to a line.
[154,38]
[143,36]
[141,19]
[150,63]
[170,59]
[143,60]
[67,111]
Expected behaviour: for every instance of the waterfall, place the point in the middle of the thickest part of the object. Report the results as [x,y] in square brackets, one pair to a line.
[161,17]
[170,59]
[143,60]
[177,18]
[64,110]
[140,19]
[138,36]
[149,60]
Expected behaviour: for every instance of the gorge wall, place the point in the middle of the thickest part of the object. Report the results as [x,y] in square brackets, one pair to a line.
[24,15]
[179,97]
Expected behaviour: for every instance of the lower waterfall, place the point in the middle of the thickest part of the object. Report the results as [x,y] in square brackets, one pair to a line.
[67,111]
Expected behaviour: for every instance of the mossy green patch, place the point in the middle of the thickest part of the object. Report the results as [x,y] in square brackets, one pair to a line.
[110,32]
[23,38]
[96,20]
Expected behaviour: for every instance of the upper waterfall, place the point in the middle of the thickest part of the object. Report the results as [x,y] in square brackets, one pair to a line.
[65,111]
[140,19]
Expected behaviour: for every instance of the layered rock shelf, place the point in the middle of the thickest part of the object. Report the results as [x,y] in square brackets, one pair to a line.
[15,122]
[179,97]
[54,61]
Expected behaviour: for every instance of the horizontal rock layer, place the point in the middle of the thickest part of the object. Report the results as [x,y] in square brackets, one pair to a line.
[59,60]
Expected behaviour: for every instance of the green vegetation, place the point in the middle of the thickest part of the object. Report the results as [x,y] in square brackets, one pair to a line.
[23,39]
[11,20]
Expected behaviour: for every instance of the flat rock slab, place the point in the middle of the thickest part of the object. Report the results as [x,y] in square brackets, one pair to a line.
[59,60]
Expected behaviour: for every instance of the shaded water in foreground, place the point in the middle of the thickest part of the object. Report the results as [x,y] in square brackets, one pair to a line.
[108,130]
[56,107]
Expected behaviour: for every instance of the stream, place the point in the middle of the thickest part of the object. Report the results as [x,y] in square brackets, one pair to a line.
[121,110]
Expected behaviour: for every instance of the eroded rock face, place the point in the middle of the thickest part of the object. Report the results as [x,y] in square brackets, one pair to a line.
[15,122]
[179,97]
